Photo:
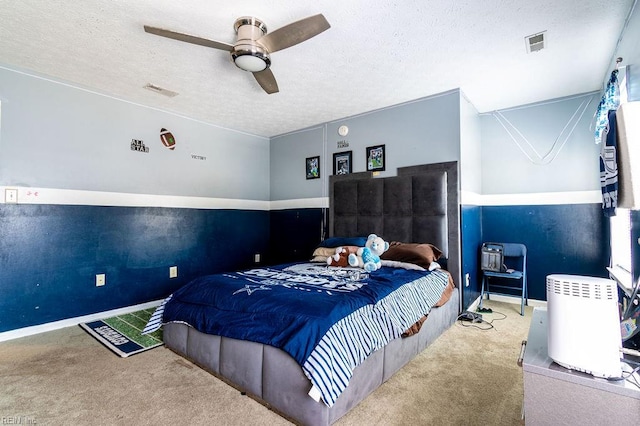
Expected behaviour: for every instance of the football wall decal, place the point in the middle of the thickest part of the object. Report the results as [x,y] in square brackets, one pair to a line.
[167,139]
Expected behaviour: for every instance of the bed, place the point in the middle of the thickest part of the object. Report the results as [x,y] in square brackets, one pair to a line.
[418,207]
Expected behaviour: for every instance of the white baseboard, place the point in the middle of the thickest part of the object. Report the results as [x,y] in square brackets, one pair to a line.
[508,299]
[473,306]
[50,326]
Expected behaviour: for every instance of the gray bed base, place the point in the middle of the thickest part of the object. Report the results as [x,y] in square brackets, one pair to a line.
[275,379]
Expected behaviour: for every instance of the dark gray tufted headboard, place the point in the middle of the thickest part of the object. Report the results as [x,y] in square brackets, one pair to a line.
[420,205]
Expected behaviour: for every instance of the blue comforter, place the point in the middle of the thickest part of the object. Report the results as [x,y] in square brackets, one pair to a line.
[328,319]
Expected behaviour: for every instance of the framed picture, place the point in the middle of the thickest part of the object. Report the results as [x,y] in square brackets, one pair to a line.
[313,167]
[375,158]
[342,163]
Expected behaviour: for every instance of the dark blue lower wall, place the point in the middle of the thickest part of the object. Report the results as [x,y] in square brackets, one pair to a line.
[471,218]
[295,234]
[560,239]
[568,239]
[50,254]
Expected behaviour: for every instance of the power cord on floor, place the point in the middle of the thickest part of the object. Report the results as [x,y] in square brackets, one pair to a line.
[477,320]
[629,376]
[632,377]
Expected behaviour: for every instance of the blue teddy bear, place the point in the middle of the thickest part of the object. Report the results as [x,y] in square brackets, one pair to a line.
[368,257]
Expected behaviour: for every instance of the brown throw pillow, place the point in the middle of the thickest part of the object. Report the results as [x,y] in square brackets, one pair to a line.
[419,254]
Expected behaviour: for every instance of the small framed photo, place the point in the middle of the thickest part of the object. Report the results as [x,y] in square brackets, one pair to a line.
[342,163]
[375,158]
[313,167]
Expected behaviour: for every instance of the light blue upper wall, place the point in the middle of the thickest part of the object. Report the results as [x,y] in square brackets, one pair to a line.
[419,132]
[92,135]
[53,135]
[470,147]
[633,83]
[288,173]
[515,140]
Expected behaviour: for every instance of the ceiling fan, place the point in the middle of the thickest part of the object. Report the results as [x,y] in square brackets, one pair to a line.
[253,46]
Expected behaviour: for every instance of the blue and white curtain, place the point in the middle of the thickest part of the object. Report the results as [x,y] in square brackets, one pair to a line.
[610,101]
[606,134]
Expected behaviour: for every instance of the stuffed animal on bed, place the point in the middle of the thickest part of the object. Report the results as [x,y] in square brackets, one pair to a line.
[368,257]
[341,256]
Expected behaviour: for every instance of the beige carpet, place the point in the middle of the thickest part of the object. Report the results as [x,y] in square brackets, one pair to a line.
[66,377]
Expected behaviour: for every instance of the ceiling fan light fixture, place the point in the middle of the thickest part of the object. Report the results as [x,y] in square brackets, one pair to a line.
[247,54]
[252,60]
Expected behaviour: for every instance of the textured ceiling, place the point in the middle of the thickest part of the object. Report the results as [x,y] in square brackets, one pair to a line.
[376,54]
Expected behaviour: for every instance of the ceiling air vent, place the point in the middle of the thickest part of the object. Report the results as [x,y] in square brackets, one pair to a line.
[160,90]
[536,42]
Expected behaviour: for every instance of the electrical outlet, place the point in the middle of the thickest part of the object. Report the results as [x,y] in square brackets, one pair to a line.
[100,280]
[173,271]
[256,258]
[467,280]
[10,195]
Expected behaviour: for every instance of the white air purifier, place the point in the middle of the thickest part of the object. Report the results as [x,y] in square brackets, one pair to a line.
[584,325]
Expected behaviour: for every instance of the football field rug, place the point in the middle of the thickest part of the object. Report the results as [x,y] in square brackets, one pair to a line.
[122,333]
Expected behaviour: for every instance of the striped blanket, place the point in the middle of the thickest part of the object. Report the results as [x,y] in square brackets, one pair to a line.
[328,319]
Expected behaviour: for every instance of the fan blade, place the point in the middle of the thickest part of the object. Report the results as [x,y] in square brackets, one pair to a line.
[188,38]
[266,80]
[294,33]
